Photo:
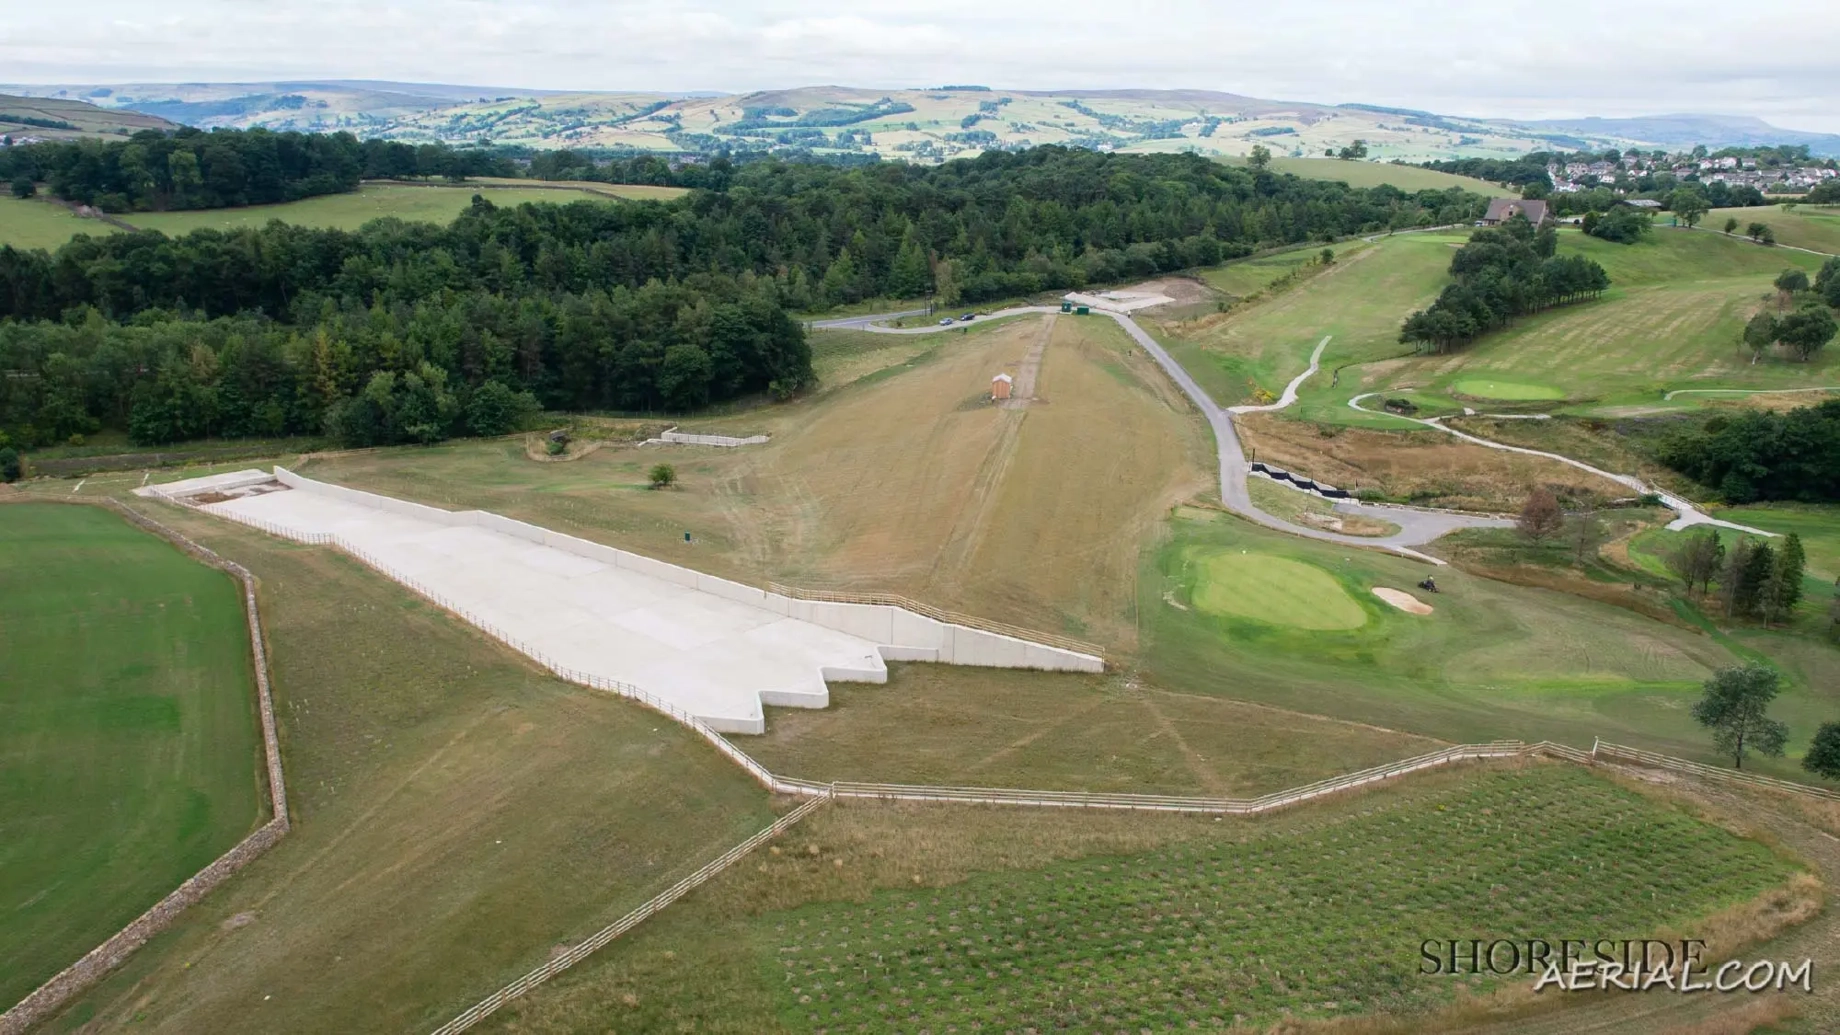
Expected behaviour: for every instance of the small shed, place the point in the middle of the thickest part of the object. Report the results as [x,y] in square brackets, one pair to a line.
[1000,386]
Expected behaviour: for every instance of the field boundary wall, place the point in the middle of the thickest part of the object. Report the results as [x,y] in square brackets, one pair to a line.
[98,962]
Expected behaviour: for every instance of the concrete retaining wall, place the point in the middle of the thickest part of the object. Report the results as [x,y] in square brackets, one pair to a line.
[710,440]
[901,634]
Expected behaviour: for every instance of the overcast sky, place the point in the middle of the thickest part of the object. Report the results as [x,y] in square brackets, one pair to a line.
[1778,60]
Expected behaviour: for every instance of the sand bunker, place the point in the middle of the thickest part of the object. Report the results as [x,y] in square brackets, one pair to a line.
[1402,600]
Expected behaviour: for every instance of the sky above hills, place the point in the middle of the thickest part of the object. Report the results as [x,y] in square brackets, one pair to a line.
[1507,59]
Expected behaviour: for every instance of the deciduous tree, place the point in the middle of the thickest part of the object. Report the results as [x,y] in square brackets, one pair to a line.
[1688,204]
[1735,708]
[1540,518]
[1823,757]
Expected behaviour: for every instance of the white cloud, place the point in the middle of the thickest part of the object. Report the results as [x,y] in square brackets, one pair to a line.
[1512,58]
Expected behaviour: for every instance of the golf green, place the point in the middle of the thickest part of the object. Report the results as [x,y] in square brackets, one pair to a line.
[1274,590]
[1507,391]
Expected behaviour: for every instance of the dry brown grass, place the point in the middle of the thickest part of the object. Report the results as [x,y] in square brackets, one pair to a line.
[905,482]
[1063,731]
[1423,467]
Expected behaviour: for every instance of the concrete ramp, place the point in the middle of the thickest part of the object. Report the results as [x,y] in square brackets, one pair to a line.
[715,648]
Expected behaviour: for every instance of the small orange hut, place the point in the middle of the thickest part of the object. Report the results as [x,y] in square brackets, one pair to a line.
[999,387]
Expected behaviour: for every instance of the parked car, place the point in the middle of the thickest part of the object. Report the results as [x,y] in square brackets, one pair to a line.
[947,322]
[968,317]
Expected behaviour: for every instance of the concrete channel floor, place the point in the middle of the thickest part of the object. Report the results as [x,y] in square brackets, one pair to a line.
[714,657]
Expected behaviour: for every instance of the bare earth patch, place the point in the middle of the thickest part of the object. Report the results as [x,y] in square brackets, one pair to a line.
[1402,600]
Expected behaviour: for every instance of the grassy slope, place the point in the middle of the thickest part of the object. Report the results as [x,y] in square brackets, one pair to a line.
[1409,178]
[1672,320]
[1804,226]
[997,728]
[457,814]
[903,919]
[905,481]
[128,742]
[38,223]
[1359,301]
[1493,661]
[433,204]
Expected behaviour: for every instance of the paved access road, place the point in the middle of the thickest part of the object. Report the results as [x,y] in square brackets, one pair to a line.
[1416,527]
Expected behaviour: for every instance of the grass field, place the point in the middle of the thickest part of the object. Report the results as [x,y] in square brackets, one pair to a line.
[1408,178]
[940,724]
[1250,276]
[457,815]
[1510,391]
[906,481]
[432,204]
[38,223]
[884,919]
[1493,660]
[1270,590]
[1360,301]
[1804,226]
[129,752]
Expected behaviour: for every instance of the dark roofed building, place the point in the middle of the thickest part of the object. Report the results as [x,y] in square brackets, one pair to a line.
[1503,209]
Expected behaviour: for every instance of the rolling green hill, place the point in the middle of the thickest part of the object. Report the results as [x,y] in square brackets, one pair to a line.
[56,118]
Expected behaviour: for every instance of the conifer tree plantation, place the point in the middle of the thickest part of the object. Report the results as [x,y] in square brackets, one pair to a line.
[391,333]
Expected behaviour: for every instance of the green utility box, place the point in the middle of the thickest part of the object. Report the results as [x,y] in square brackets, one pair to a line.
[1082,311]
[1066,307]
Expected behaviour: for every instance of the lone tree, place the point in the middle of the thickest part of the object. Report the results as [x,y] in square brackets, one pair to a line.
[1587,534]
[9,465]
[1541,518]
[1731,224]
[1733,709]
[663,476]
[1688,204]
[1260,159]
[1823,757]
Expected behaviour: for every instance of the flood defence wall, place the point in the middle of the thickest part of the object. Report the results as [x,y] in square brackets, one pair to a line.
[902,635]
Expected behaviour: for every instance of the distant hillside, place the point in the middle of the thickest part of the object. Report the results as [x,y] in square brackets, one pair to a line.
[920,125]
[61,119]
[1686,130]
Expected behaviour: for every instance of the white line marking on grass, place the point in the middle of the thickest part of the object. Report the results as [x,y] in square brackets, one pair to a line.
[79,487]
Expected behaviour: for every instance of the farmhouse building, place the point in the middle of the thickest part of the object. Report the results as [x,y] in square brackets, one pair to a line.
[1503,209]
[999,387]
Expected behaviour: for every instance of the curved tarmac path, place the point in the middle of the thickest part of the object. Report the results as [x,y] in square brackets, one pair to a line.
[1690,515]
[1416,527]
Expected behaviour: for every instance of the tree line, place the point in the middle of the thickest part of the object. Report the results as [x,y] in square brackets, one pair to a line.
[1761,455]
[1500,274]
[391,332]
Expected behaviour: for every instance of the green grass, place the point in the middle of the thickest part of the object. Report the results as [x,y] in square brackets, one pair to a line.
[1408,178]
[1360,302]
[1818,525]
[1481,388]
[1274,590]
[457,815]
[1185,923]
[38,223]
[1249,276]
[350,211]
[1494,660]
[128,737]
[1672,319]
[1805,226]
